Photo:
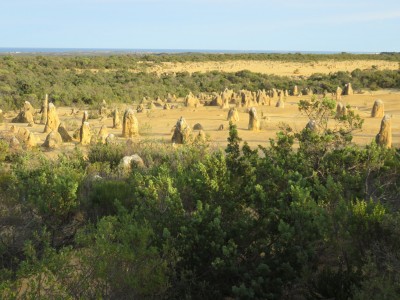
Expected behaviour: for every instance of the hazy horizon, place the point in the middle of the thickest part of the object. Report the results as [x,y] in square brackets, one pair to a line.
[27,50]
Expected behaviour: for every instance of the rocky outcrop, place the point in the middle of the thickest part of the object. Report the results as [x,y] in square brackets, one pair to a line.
[85,134]
[182,132]
[130,125]
[254,123]
[26,115]
[384,137]
[66,137]
[233,115]
[116,119]
[53,121]
[378,110]
[53,140]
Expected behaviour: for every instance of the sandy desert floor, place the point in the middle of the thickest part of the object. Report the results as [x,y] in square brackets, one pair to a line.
[156,125]
[280,68]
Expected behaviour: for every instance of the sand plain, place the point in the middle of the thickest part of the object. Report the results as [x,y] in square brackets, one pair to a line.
[281,68]
[156,124]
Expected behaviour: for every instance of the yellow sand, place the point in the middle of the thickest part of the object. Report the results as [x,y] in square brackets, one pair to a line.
[156,124]
[275,67]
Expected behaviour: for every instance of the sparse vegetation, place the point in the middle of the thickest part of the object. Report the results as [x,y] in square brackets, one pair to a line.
[70,80]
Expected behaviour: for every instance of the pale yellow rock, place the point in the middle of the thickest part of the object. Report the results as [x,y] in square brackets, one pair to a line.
[182,132]
[53,140]
[254,123]
[378,110]
[130,125]
[52,119]
[233,115]
[45,105]
[85,134]
[384,137]
[103,133]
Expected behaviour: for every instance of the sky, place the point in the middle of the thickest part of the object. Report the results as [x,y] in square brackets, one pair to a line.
[290,25]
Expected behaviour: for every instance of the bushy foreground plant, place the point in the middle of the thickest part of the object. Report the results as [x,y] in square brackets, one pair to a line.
[308,216]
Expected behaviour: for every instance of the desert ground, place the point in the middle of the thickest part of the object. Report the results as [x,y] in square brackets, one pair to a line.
[156,125]
[281,68]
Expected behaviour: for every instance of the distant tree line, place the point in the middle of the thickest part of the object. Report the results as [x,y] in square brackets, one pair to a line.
[89,80]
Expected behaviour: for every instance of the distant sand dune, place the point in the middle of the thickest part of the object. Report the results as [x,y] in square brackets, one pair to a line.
[281,68]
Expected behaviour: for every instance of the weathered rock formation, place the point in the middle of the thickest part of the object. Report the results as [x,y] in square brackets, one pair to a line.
[312,126]
[85,134]
[43,110]
[198,126]
[274,93]
[53,140]
[103,134]
[201,137]
[14,143]
[111,140]
[116,119]
[254,123]
[233,115]
[23,134]
[66,137]
[140,108]
[217,101]
[130,125]
[384,137]
[85,117]
[52,122]
[295,91]
[127,162]
[103,110]
[348,90]
[182,132]
[378,110]
[26,115]
[31,141]
[341,110]
[248,99]
[339,92]
[280,103]
[191,101]
[262,98]
[25,137]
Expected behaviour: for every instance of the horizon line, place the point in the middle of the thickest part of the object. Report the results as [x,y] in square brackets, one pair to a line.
[20,50]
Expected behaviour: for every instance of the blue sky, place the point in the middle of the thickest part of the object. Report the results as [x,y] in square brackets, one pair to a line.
[303,25]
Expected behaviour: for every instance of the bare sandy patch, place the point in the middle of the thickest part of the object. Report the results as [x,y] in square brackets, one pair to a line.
[156,125]
[280,68]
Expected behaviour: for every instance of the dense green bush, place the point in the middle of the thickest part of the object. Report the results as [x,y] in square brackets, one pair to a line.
[308,215]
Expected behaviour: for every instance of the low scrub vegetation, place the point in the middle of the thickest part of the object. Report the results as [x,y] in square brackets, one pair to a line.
[308,215]
[88,80]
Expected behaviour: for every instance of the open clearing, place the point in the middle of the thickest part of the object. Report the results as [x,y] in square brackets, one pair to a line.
[281,68]
[156,124]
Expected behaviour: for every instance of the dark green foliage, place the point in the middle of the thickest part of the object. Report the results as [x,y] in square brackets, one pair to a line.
[110,154]
[309,216]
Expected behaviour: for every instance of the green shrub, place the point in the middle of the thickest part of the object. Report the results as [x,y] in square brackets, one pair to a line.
[111,154]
